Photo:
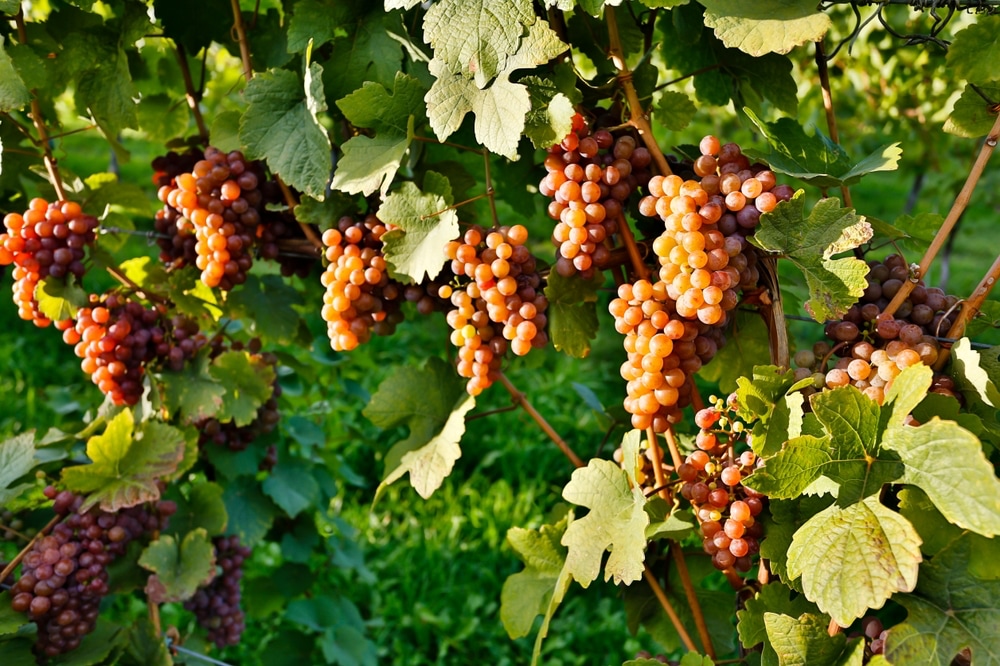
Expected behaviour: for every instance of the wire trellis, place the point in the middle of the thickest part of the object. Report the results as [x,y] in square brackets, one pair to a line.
[941,11]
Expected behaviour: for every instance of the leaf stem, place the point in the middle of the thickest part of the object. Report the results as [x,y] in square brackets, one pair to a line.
[192,95]
[117,274]
[668,607]
[490,192]
[39,120]
[692,598]
[961,201]
[638,118]
[24,551]
[241,34]
[15,533]
[831,117]
[675,453]
[522,400]
[654,447]
[487,193]
[491,412]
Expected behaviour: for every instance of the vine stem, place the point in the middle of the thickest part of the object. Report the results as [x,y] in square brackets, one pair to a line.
[654,447]
[292,204]
[192,95]
[675,453]
[7,570]
[117,274]
[970,308]
[831,117]
[961,201]
[241,34]
[668,607]
[39,121]
[522,400]
[692,597]
[24,537]
[637,117]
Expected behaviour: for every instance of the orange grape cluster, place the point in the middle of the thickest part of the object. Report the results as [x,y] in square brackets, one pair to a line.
[590,177]
[712,480]
[360,297]
[48,240]
[220,200]
[673,323]
[500,307]
[116,339]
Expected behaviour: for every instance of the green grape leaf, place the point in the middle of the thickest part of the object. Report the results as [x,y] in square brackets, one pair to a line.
[372,51]
[179,569]
[432,402]
[617,522]
[572,312]
[802,641]
[501,108]
[266,304]
[11,6]
[280,127]
[375,107]
[316,21]
[14,94]
[781,521]
[816,159]
[674,110]
[911,233]
[723,74]
[551,115]
[527,593]
[225,131]
[126,465]
[948,611]
[765,26]
[146,647]
[400,4]
[108,93]
[162,119]
[937,534]
[292,486]
[213,22]
[848,455]
[108,192]
[773,598]
[758,392]
[971,375]
[202,508]
[811,242]
[249,384]
[975,49]
[854,558]
[250,512]
[947,462]
[193,393]
[426,224]
[369,164]
[17,458]
[739,356]
[973,116]
[667,522]
[473,38]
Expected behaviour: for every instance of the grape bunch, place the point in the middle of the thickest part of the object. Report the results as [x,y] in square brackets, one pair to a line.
[64,576]
[176,238]
[217,605]
[673,325]
[712,478]
[590,178]
[497,304]
[47,240]
[360,297]
[117,338]
[221,199]
[229,434]
[871,347]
